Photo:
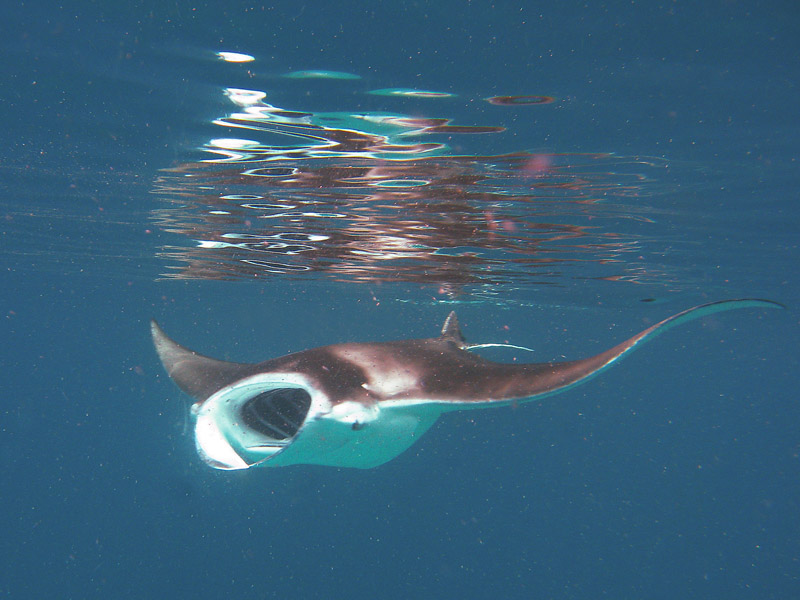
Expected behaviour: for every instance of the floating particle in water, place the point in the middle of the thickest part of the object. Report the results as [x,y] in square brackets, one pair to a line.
[410,93]
[235,57]
[519,100]
[321,75]
[538,165]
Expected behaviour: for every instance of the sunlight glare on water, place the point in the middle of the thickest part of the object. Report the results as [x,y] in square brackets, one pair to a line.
[377,196]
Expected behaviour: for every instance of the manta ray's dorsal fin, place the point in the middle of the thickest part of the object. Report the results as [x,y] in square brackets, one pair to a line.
[451,331]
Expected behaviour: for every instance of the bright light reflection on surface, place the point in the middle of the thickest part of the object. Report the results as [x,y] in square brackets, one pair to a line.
[321,74]
[245,97]
[382,195]
[235,57]
[232,143]
[410,93]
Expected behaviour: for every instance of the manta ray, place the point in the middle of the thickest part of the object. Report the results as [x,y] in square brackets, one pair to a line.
[362,404]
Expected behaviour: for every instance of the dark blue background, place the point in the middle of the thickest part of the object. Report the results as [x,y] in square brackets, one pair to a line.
[673,475]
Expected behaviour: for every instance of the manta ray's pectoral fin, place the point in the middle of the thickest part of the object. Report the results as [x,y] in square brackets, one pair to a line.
[484,383]
[682,317]
[565,375]
[197,375]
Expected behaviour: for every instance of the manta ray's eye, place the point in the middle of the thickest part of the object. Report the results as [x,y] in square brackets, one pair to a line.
[278,413]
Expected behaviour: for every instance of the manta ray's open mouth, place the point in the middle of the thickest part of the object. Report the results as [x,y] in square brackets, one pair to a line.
[278,413]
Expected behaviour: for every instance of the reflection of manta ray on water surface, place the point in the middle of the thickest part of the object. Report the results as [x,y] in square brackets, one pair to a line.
[367,197]
[362,404]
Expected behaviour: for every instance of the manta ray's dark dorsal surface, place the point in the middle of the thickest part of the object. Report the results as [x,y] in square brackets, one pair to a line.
[362,404]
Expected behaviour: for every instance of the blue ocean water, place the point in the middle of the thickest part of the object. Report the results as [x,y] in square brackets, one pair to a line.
[635,159]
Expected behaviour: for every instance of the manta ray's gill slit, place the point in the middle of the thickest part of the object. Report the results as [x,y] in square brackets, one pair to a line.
[277,413]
